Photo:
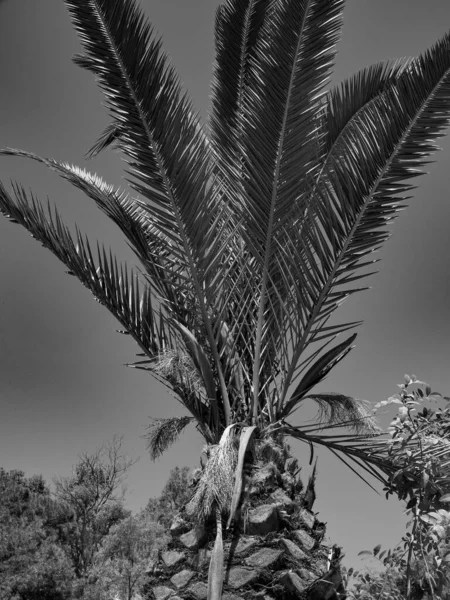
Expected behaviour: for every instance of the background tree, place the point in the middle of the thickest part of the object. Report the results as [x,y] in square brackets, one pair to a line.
[174,496]
[419,567]
[92,501]
[33,566]
[250,235]
[127,554]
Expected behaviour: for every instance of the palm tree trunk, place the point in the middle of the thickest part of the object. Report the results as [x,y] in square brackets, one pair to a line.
[275,552]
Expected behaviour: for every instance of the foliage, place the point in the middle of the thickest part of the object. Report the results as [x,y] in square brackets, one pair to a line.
[32,564]
[125,556]
[174,496]
[90,502]
[81,543]
[420,449]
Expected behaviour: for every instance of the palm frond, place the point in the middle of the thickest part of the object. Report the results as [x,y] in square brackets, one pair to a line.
[132,217]
[367,452]
[109,136]
[335,409]
[162,433]
[215,488]
[119,290]
[113,285]
[316,374]
[344,103]
[289,72]
[358,193]
[378,456]
[201,362]
[238,24]
[165,146]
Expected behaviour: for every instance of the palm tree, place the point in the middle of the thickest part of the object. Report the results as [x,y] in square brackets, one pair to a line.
[250,233]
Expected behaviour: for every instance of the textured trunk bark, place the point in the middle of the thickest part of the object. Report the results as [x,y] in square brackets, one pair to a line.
[275,552]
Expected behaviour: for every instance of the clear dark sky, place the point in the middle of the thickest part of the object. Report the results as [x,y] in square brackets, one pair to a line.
[63,389]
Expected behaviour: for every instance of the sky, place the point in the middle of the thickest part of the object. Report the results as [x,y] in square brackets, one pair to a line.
[63,387]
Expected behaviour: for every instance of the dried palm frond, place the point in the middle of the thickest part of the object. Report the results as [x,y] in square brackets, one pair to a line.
[162,433]
[216,485]
[178,367]
[337,408]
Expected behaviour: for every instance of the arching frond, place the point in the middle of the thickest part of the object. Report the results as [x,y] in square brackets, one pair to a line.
[120,291]
[162,433]
[113,285]
[237,29]
[165,146]
[357,195]
[166,276]
[288,75]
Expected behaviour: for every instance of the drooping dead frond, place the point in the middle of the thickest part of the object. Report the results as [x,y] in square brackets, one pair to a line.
[162,433]
[335,409]
[216,485]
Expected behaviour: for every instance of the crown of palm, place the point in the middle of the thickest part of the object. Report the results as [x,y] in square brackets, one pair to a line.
[250,232]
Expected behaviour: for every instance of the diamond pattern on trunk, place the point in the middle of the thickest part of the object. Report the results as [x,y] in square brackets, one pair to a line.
[243,544]
[162,592]
[263,519]
[292,583]
[265,477]
[305,540]
[172,558]
[282,500]
[240,576]
[181,579]
[264,558]
[193,538]
[199,590]
[294,559]
[306,575]
[307,518]
[295,552]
